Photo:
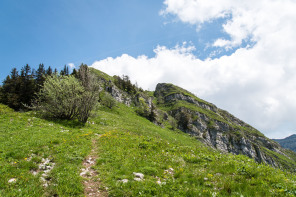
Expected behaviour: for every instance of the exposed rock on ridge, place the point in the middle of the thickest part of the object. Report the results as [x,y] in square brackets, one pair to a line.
[215,127]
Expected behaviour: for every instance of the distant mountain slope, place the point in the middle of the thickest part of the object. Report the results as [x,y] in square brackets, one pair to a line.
[176,108]
[288,142]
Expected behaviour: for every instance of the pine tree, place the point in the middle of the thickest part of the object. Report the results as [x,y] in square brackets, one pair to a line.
[18,91]
[40,77]
[14,74]
[49,71]
[11,90]
[74,73]
[65,71]
[27,85]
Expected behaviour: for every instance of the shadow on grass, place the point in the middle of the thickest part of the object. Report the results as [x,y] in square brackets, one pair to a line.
[75,124]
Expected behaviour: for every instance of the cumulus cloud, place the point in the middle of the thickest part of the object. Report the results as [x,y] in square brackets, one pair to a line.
[256,83]
[247,19]
[71,66]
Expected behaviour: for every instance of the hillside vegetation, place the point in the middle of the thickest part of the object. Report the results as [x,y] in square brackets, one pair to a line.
[138,133]
[173,163]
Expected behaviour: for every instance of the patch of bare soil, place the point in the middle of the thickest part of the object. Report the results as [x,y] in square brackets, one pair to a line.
[92,185]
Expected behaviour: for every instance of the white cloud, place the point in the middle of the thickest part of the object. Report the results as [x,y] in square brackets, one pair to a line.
[248,19]
[258,84]
[197,11]
[71,66]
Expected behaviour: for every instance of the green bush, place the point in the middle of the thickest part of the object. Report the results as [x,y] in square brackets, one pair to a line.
[64,97]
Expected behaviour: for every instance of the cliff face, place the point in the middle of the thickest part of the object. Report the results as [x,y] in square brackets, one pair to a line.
[217,128]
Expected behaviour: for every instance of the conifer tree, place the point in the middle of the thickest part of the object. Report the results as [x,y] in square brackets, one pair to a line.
[40,76]
[49,71]
[65,71]
[11,90]
[74,73]
[27,86]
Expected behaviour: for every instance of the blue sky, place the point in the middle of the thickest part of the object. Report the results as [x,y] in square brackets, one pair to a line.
[58,32]
[234,53]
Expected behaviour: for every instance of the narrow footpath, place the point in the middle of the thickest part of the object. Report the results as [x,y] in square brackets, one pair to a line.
[92,185]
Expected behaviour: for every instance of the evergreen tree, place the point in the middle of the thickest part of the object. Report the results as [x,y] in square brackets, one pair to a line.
[74,73]
[49,71]
[40,77]
[18,90]
[27,86]
[14,74]
[65,71]
[125,84]
[11,90]
[62,73]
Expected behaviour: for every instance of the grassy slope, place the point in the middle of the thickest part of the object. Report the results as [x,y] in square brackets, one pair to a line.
[129,144]
[25,140]
[133,144]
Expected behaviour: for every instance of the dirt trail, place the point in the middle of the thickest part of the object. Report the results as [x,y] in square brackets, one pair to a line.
[92,185]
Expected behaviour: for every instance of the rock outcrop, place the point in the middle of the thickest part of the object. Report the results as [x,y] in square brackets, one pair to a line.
[119,95]
[215,127]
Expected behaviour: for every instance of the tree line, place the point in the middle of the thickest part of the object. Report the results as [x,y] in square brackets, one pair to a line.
[65,95]
[125,84]
[19,88]
[54,94]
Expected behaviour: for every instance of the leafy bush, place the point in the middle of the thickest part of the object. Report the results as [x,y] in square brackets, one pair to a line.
[64,97]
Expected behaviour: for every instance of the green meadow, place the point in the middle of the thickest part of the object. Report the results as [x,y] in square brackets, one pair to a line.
[172,162]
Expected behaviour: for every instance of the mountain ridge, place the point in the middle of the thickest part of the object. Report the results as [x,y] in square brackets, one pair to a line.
[180,109]
[288,142]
